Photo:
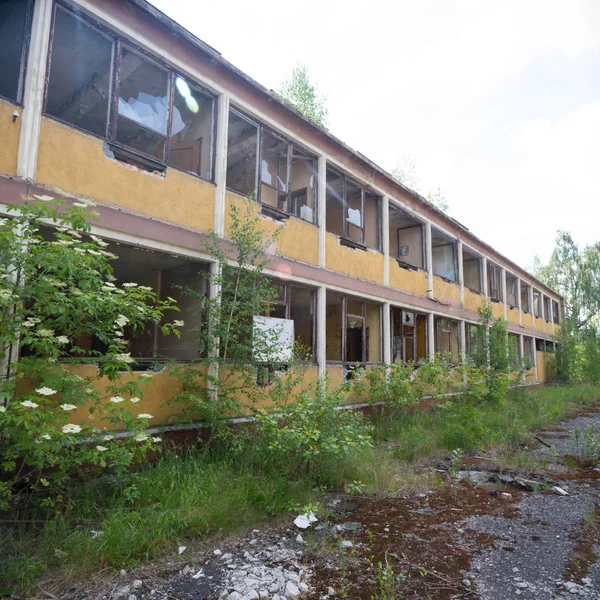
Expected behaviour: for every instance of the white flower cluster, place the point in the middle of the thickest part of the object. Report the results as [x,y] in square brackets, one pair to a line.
[71,428]
[45,391]
[145,416]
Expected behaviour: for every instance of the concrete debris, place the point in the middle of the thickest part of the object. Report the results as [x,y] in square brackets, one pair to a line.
[181,549]
[560,491]
[304,521]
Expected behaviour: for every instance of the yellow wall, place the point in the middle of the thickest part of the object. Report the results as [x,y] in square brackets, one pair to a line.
[445,291]
[497,309]
[297,239]
[74,163]
[527,320]
[541,366]
[513,315]
[472,300]
[412,282]
[540,324]
[366,265]
[9,138]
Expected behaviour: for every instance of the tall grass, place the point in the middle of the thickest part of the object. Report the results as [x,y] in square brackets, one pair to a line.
[188,498]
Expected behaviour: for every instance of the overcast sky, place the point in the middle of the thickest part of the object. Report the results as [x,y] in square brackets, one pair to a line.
[498,103]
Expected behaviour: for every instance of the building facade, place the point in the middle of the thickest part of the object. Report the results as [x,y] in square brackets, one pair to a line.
[114,102]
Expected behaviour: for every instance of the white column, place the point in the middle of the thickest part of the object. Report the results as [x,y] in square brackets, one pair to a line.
[531,309]
[321,210]
[461,275]
[484,279]
[385,238]
[504,296]
[519,301]
[430,337]
[322,330]
[33,97]
[521,354]
[463,341]
[428,250]
[387,334]
[213,368]
[221,164]
[534,352]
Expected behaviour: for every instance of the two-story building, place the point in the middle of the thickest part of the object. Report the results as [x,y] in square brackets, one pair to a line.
[114,102]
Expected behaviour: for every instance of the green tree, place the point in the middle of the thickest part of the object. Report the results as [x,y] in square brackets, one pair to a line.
[304,96]
[56,289]
[574,273]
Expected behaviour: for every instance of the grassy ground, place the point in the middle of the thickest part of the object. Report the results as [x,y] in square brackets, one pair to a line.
[189,498]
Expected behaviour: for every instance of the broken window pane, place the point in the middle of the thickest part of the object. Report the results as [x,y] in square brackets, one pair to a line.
[511,290]
[444,256]
[274,171]
[335,203]
[372,221]
[242,152]
[303,186]
[143,105]
[537,303]
[546,308]
[555,313]
[472,271]
[333,346]
[302,309]
[80,74]
[354,216]
[406,238]
[191,129]
[355,327]
[494,282]
[13,21]
[525,298]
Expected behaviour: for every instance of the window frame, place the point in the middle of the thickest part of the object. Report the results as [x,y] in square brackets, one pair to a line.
[494,274]
[23,62]
[450,242]
[525,286]
[439,330]
[119,41]
[416,314]
[513,284]
[345,237]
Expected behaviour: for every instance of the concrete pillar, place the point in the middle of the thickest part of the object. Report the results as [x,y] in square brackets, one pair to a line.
[387,334]
[519,301]
[430,337]
[484,277]
[461,275]
[221,164]
[321,210]
[385,238]
[463,340]
[429,253]
[35,83]
[322,330]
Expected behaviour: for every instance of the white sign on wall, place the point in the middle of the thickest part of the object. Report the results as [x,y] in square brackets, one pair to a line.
[273,339]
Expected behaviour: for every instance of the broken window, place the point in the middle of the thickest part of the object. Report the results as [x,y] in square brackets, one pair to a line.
[150,115]
[297,304]
[447,338]
[406,239]
[511,290]
[192,129]
[472,339]
[494,275]
[555,312]
[528,357]
[15,22]
[409,336]
[537,303]
[274,171]
[303,186]
[514,350]
[525,298]
[471,270]
[352,212]
[80,74]
[353,330]
[242,155]
[444,255]
[547,315]
[540,345]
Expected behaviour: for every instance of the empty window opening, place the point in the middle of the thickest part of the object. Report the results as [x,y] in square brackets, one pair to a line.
[15,22]
[192,129]
[555,312]
[443,255]
[409,336]
[494,275]
[471,270]
[525,307]
[514,349]
[512,290]
[406,239]
[447,338]
[303,184]
[353,330]
[547,315]
[540,345]
[80,74]
[528,352]
[242,155]
[298,305]
[472,339]
[537,303]
[353,213]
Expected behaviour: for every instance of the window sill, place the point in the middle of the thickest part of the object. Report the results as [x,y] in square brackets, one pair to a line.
[344,241]
[478,292]
[130,157]
[406,266]
[446,279]
[273,212]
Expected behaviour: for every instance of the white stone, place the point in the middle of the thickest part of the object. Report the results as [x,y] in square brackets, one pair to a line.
[217,552]
[346,544]
[330,591]
[300,539]
[291,590]
[303,587]
[137,584]
[234,596]
[521,584]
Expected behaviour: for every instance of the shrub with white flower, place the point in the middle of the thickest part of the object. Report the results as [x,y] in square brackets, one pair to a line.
[144,416]
[53,276]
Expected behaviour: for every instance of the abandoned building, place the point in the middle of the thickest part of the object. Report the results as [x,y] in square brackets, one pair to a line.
[115,102]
